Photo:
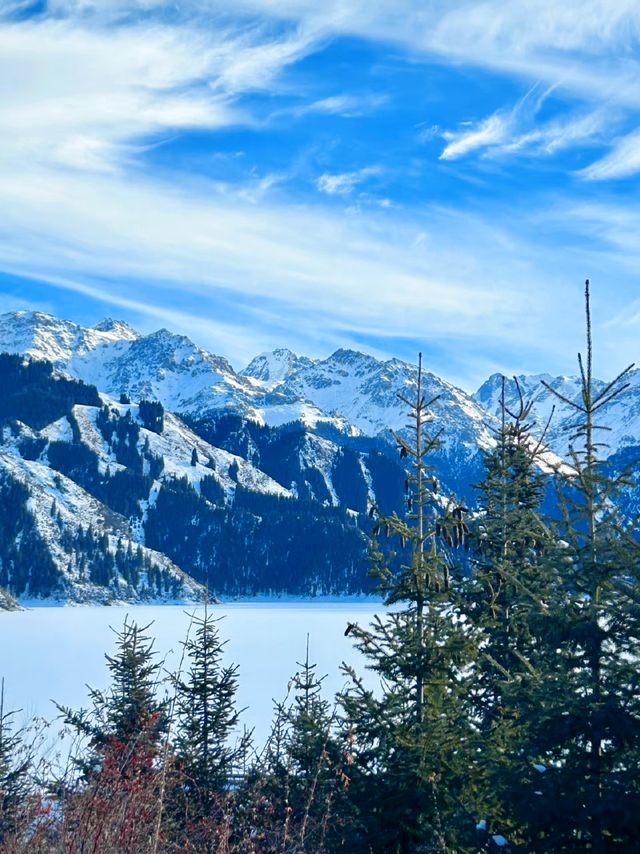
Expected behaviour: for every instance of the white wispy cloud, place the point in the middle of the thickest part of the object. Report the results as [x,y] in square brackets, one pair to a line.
[84,97]
[489,133]
[588,45]
[344,183]
[518,130]
[621,162]
[347,105]
[426,134]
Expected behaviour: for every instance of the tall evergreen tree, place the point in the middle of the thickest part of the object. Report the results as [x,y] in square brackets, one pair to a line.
[588,738]
[512,591]
[409,741]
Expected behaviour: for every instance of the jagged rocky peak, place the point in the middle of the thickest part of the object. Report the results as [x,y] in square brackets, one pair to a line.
[27,322]
[274,367]
[490,392]
[170,349]
[352,358]
[534,389]
[40,335]
[117,329]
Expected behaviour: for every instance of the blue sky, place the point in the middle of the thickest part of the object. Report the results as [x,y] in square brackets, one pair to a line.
[390,175]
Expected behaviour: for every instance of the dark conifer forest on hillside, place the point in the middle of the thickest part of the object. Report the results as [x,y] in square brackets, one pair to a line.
[508,711]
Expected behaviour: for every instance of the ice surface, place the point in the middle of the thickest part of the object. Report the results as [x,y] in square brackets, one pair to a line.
[55,652]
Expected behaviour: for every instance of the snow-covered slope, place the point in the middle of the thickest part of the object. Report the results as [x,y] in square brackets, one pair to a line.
[60,508]
[175,446]
[272,369]
[365,393]
[350,390]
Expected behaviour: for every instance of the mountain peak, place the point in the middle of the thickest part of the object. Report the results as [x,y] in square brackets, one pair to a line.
[274,367]
[346,353]
[117,328]
[347,356]
[28,317]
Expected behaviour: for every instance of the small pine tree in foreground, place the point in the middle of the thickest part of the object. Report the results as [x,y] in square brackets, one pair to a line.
[209,750]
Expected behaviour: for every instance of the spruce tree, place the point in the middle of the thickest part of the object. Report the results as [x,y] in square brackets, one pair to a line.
[315,759]
[209,750]
[301,777]
[116,801]
[408,741]
[512,591]
[126,722]
[588,739]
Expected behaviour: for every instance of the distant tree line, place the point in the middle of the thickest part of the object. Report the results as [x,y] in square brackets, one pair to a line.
[31,393]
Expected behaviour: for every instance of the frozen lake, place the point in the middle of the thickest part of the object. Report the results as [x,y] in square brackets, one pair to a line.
[53,653]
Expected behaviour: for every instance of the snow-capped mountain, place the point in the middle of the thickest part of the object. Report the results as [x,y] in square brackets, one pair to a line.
[620,420]
[61,342]
[161,366]
[350,390]
[102,499]
[116,359]
[366,393]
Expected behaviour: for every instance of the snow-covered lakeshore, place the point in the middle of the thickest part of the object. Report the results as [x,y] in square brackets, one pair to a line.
[53,653]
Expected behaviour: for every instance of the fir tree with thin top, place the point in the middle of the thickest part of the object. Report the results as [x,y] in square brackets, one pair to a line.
[410,772]
[512,590]
[588,735]
[209,748]
[126,722]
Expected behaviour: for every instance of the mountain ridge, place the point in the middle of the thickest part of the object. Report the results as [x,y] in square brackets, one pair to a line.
[260,481]
[349,390]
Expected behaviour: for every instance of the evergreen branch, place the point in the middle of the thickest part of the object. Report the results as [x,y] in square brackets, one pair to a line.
[613,383]
[540,443]
[566,400]
[598,404]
